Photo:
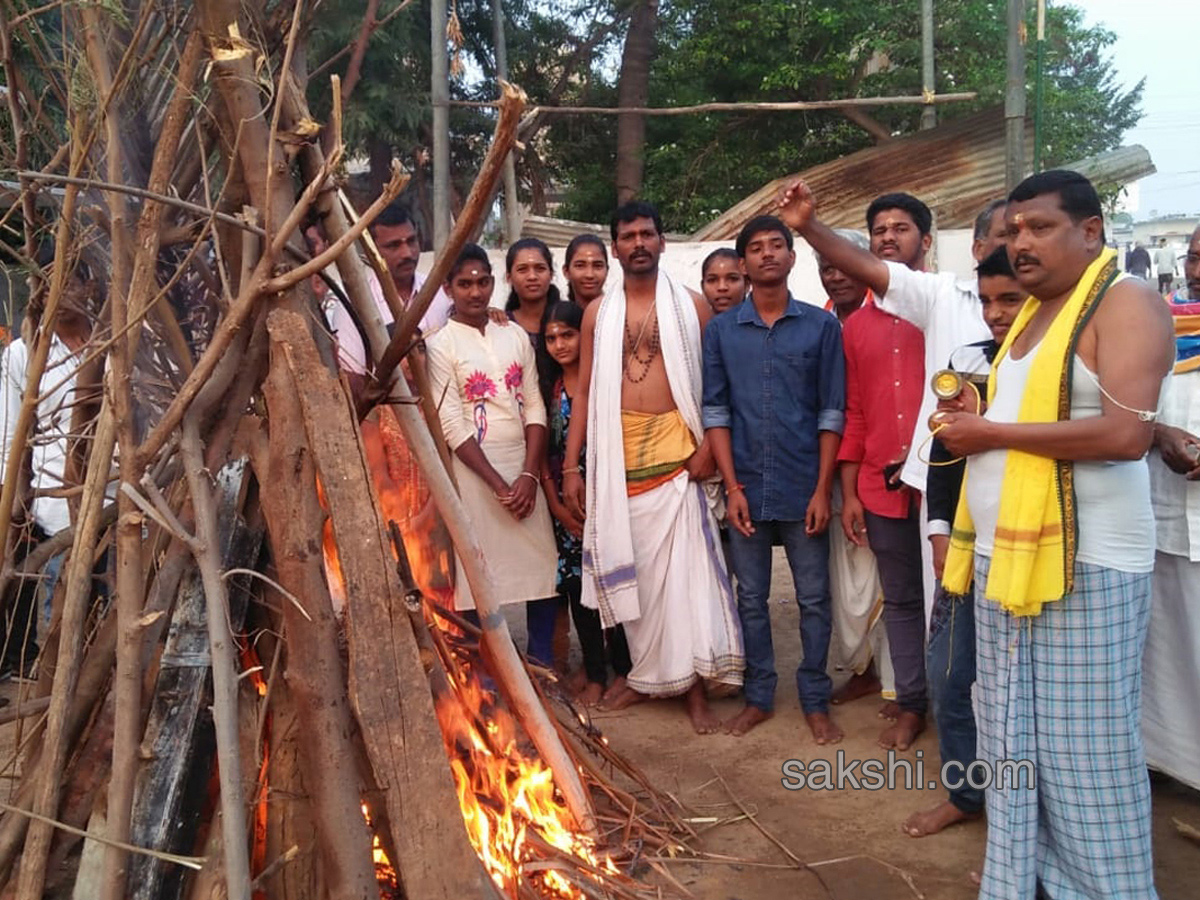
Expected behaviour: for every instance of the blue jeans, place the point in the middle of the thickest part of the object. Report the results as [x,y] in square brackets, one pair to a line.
[808,558]
[950,668]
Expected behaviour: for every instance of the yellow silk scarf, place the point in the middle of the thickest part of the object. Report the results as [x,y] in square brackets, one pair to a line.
[1033,559]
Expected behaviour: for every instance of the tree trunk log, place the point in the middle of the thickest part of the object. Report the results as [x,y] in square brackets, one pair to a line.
[316,678]
[633,90]
[387,683]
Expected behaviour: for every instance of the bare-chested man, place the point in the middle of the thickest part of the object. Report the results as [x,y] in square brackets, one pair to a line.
[651,557]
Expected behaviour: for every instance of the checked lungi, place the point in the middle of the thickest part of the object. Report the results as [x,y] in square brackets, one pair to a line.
[1063,689]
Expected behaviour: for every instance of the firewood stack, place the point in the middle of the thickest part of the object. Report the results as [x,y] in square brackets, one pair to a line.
[205,720]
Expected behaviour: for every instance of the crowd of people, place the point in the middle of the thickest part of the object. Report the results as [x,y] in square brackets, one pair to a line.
[985,487]
[1020,444]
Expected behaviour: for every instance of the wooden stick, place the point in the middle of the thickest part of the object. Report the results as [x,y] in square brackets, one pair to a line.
[190,862]
[23,709]
[749,106]
[70,649]
[512,102]
[224,668]
[316,676]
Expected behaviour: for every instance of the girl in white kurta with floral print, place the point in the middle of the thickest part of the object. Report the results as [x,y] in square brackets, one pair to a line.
[485,381]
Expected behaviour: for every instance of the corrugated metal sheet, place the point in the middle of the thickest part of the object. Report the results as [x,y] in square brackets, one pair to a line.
[559,232]
[955,168]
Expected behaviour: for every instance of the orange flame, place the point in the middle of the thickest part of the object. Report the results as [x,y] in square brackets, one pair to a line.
[511,808]
[507,794]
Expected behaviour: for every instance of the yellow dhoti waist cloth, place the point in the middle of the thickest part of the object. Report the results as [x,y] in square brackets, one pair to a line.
[656,447]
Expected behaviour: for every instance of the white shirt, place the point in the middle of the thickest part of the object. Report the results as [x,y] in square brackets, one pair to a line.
[947,310]
[1164,261]
[351,354]
[48,437]
[1177,500]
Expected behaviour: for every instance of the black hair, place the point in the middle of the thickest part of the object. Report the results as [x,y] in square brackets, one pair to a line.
[720,253]
[572,248]
[983,221]
[758,225]
[570,314]
[920,213]
[579,240]
[996,263]
[510,259]
[1076,195]
[469,253]
[395,214]
[635,209]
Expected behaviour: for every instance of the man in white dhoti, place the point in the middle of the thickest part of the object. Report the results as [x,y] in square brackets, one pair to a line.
[651,557]
[1171,667]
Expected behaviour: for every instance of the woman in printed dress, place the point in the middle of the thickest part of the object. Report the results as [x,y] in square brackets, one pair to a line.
[485,380]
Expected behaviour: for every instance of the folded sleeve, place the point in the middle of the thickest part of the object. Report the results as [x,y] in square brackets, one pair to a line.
[715,409]
[854,436]
[831,387]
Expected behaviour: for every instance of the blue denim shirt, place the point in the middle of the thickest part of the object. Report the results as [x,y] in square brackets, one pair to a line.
[775,389]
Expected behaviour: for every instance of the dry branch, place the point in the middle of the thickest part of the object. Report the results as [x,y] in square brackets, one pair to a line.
[512,102]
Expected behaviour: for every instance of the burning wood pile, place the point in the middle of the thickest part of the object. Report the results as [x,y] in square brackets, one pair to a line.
[249,683]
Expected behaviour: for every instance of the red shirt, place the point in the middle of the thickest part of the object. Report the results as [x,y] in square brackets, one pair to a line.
[885,380]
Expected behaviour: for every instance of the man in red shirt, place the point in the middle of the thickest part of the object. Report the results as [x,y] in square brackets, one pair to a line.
[885,380]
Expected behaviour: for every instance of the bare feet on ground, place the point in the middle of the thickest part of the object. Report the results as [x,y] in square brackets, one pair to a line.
[591,694]
[704,721]
[576,681]
[746,720]
[621,699]
[614,690]
[890,711]
[931,821]
[901,733]
[860,685]
[822,728]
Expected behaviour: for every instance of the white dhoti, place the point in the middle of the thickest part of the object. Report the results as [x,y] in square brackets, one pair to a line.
[858,635]
[689,625]
[1171,670]
[652,561]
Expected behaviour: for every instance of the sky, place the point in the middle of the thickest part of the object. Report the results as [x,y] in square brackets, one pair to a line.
[1159,39]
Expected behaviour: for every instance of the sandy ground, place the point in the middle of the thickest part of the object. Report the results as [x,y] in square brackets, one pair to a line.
[853,836]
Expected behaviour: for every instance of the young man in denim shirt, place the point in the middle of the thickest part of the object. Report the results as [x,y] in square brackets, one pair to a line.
[774,409]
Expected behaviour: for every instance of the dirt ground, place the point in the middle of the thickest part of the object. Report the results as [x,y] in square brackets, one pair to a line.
[852,838]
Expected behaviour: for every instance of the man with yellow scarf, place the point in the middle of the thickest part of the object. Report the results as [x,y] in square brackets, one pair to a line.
[1056,528]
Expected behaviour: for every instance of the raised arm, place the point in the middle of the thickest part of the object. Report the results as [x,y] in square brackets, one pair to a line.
[798,210]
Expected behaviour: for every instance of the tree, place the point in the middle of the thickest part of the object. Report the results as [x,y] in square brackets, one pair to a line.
[633,90]
[732,50]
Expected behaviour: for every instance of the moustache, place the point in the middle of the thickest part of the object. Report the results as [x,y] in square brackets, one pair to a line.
[1025,259]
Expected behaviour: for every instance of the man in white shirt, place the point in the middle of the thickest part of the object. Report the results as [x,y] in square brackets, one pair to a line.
[1170,726]
[396,237]
[1164,265]
[47,445]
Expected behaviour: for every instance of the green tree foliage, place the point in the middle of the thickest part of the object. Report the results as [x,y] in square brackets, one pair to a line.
[731,50]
